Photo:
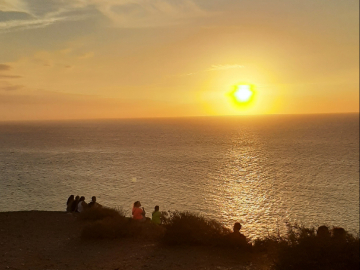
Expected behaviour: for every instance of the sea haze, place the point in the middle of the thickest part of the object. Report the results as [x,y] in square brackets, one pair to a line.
[259,170]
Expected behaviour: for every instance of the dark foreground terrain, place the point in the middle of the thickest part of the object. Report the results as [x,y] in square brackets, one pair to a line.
[51,240]
[103,238]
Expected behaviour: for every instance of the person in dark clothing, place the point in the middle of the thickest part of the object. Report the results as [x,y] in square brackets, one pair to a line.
[339,235]
[323,233]
[237,239]
[69,203]
[74,204]
[236,233]
[93,202]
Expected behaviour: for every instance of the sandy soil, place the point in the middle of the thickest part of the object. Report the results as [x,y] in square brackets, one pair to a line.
[51,240]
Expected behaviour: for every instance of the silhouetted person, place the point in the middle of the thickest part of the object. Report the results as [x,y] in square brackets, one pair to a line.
[236,232]
[69,202]
[156,215]
[82,205]
[75,204]
[137,212]
[93,203]
[323,232]
[339,235]
[237,239]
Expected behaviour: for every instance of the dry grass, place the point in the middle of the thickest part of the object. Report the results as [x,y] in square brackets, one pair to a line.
[302,249]
[106,223]
[100,213]
[192,229]
[299,249]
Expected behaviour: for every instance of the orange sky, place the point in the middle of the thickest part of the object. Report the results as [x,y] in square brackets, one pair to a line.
[164,58]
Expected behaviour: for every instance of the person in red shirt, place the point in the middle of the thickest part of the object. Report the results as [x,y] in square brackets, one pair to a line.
[137,212]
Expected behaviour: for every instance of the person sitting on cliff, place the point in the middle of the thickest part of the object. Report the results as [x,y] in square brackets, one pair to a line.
[237,239]
[82,205]
[75,204]
[69,202]
[137,212]
[323,233]
[93,203]
[156,215]
[339,235]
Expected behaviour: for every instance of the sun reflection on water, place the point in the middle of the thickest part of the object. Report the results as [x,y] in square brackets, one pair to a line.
[248,196]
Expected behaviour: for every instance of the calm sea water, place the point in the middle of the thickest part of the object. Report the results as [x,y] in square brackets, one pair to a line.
[259,170]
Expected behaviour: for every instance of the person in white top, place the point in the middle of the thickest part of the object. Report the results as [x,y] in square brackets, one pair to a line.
[81,205]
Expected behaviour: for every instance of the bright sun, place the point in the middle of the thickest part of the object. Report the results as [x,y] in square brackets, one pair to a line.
[243,93]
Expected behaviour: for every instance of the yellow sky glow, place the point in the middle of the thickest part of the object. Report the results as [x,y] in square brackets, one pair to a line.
[100,59]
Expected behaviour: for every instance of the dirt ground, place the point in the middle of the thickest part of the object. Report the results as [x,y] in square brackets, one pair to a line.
[51,241]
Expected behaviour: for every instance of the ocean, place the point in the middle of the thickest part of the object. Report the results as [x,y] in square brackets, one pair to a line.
[262,171]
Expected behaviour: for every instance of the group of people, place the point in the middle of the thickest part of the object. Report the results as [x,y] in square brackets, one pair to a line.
[324,234]
[138,213]
[77,204]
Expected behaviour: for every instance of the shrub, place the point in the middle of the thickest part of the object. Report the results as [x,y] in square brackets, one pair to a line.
[193,229]
[107,228]
[106,223]
[268,244]
[301,249]
[99,213]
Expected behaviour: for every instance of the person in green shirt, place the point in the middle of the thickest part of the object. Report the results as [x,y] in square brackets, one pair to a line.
[156,216]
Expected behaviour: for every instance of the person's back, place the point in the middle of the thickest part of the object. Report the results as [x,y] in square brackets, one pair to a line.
[339,235]
[156,216]
[75,204]
[323,234]
[69,203]
[93,203]
[81,205]
[237,239]
[137,212]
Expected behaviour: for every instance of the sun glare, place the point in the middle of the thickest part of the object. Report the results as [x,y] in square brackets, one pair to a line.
[243,93]
[242,96]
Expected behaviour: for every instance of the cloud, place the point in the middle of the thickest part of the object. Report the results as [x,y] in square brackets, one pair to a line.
[14,15]
[145,13]
[6,86]
[18,15]
[215,68]
[13,5]
[9,76]
[86,55]
[16,25]
[29,14]
[11,87]
[224,67]
[4,67]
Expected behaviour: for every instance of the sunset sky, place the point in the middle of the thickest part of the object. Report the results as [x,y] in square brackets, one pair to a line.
[76,59]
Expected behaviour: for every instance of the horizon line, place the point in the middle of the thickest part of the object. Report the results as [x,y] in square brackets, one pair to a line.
[171,117]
